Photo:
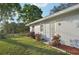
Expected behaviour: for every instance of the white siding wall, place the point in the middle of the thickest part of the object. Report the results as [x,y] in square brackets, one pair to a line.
[37,29]
[43,32]
[47,32]
[31,28]
[69,30]
[52,29]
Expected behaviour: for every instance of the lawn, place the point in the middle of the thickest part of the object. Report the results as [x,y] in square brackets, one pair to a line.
[22,45]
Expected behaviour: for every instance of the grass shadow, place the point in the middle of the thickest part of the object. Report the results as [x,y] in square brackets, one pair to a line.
[43,51]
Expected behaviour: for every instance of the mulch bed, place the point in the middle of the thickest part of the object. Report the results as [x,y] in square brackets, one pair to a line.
[72,50]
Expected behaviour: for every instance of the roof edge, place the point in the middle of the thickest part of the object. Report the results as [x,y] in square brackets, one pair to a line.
[55,14]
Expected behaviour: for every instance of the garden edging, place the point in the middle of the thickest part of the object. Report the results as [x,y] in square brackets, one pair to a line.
[58,49]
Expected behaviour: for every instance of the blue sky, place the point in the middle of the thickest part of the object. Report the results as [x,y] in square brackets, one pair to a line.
[45,7]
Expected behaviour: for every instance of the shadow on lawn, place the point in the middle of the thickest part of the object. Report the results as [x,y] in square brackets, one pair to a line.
[37,49]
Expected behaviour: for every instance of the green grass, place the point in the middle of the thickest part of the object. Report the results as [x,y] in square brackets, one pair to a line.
[23,45]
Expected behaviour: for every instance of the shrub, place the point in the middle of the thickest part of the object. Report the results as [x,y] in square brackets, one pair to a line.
[16,35]
[32,34]
[2,34]
[55,41]
[28,34]
[38,37]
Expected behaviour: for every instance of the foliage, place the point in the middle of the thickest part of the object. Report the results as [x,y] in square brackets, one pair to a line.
[8,11]
[23,45]
[55,41]
[30,13]
[2,35]
[16,35]
[32,34]
[15,28]
[38,37]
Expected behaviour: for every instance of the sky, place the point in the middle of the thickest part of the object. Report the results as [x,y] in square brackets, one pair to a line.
[45,7]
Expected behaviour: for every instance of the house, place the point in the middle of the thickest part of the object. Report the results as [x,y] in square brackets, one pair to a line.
[65,23]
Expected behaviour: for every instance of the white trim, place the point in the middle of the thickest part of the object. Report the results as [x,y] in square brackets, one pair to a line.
[55,27]
[56,14]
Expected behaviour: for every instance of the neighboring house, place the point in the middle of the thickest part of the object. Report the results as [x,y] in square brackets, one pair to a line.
[64,23]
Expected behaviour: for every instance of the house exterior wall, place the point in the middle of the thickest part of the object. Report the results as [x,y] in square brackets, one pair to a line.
[37,29]
[31,28]
[68,28]
[50,29]
[67,25]
[47,32]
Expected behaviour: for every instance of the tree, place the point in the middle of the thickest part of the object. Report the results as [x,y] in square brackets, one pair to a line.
[8,11]
[11,28]
[30,13]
